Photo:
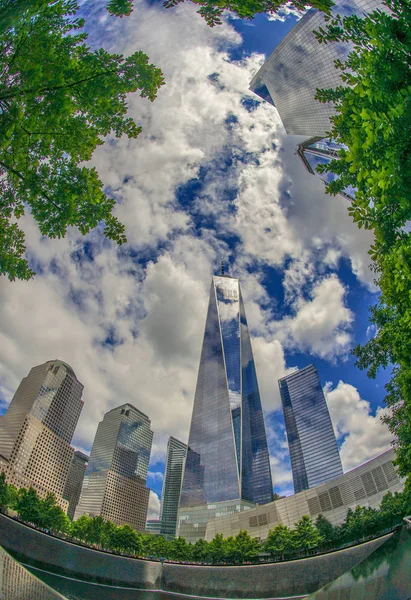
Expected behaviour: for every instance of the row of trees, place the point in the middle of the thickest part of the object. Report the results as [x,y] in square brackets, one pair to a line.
[282,542]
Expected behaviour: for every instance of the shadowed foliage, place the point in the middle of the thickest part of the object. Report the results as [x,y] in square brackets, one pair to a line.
[373,123]
[58,101]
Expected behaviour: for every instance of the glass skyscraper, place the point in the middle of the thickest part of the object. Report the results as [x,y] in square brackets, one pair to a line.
[317,151]
[74,482]
[313,448]
[115,480]
[227,461]
[170,495]
[299,65]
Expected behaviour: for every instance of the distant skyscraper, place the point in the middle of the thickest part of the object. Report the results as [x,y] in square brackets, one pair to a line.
[318,151]
[153,526]
[227,465]
[74,481]
[36,431]
[115,480]
[170,496]
[299,65]
[313,448]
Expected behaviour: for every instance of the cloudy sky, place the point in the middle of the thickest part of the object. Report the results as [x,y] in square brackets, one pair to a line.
[211,176]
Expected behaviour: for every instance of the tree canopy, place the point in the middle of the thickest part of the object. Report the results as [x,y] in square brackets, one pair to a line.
[281,543]
[212,10]
[373,123]
[280,540]
[58,101]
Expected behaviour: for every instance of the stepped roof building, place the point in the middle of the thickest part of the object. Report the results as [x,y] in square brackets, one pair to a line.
[37,429]
[114,484]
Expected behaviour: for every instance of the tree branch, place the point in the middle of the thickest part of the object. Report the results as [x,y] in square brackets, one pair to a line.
[20,176]
[17,173]
[57,87]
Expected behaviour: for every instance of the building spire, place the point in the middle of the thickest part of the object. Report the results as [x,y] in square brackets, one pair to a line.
[222,267]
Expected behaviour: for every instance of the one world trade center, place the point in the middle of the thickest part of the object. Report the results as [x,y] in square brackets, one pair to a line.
[227,466]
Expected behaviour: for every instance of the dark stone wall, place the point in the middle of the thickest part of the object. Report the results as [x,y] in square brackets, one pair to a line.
[52,554]
[292,578]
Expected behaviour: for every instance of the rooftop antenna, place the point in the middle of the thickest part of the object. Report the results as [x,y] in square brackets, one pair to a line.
[222,267]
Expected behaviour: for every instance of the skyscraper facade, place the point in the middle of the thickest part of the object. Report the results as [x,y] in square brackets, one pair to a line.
[74,481]
[36,431]
[170,495]
[319,151]
[299,65]
[227,467]
[115,481]
[313,448]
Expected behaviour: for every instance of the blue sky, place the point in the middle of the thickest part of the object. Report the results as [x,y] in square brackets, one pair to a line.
[212,176]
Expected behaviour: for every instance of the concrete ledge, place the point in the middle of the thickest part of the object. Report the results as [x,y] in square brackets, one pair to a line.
[277,580]
[53,554]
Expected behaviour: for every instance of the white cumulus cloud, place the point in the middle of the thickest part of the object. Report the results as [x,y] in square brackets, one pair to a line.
[153,506]
[365,436]
[321,324]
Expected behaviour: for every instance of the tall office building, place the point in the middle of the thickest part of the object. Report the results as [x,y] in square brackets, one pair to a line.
[115,481]
[317,151]
[74,481]
[36,431]
[313,448]
[299,65]
[227,468]
[153,526]
[170,495]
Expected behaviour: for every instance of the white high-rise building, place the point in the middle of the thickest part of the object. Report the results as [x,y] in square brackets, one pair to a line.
[36,431]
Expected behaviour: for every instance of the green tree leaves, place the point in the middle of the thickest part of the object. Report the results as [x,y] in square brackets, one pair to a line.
[27,506]
[373,122]
[58,101]
[280,541]
[212,10]
[307,535]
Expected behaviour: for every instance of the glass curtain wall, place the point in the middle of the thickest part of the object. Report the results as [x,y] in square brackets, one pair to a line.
[313,448]
[227,457]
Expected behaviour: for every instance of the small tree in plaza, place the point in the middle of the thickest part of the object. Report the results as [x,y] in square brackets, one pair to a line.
[361,522]
[306,535]
[154,545]
[51,515]
[179,549]
[217,548]
[125,539]
[95,531]
[280,541]
[241,548]
[393,508]
[78,529]
[201,551]
[4,491]
[248,548]
[28,506]
[328,533]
